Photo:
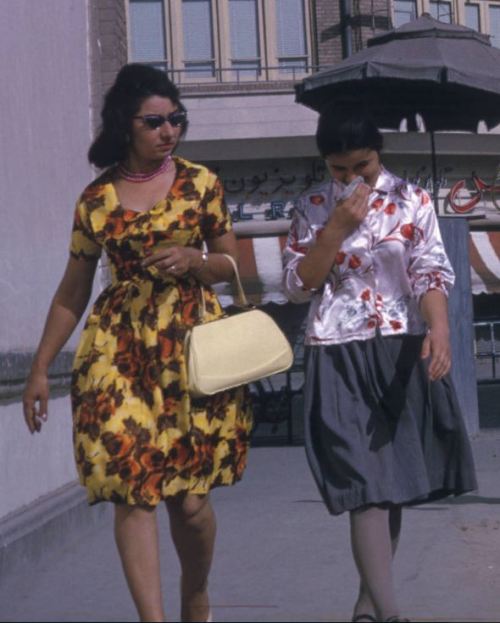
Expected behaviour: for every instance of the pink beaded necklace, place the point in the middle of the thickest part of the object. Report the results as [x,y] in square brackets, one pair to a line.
[137,178]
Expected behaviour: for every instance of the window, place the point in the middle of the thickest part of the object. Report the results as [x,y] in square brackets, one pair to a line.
[222,40]
[472,19]
[197,31]
[404,11]
[244,34]
[441,10]
[290,35]
[147,33]
[494,15]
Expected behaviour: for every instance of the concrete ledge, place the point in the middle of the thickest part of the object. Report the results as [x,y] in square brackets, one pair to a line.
[47,525]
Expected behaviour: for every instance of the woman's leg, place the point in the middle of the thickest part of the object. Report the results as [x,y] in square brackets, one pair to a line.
[364,603]
[192,524]
[137,540]
[372,548]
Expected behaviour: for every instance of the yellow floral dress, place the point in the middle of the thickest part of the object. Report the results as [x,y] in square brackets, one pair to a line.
[138,435]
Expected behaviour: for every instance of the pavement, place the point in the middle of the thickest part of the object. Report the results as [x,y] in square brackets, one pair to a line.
[281,557]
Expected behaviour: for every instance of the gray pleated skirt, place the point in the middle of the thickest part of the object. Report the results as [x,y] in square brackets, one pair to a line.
[377,431]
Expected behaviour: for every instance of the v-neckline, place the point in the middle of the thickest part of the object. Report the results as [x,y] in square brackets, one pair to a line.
[167,197]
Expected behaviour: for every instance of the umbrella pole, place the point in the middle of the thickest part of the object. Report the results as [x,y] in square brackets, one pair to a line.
[435,189]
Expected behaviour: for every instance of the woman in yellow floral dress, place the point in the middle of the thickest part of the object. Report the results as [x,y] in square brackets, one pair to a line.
[139,437]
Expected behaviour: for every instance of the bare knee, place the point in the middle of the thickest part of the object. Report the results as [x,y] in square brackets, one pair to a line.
[193,511]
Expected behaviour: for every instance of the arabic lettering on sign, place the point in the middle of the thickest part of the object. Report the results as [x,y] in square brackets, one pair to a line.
[271,193]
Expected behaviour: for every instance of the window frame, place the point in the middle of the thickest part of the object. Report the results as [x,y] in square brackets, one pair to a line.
[223,71]
[226,69]
[393,15]
[273,40]
[167,61]
[463,19]
[453,9]
[178,65]
[487,21]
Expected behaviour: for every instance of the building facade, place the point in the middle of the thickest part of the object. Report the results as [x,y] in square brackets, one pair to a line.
[236,63]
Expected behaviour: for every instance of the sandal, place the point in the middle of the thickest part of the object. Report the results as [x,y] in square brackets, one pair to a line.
[364,617]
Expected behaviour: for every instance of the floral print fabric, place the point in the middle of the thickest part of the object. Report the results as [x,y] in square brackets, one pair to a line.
[138,436]
[381,271]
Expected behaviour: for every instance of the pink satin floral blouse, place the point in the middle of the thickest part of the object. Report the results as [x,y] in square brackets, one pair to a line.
[381,271]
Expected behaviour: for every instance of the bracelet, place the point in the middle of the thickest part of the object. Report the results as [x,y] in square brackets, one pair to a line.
[204,261]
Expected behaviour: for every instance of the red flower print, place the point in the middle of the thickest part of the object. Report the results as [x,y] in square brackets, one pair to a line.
[317,200]
[396,325]
[390,209]
[295,246]
[354,262]
[366,294]
[340,257]
[408,231]
[377,203]
[371,324]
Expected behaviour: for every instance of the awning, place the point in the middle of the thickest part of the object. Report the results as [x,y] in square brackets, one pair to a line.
[261,269]
[484,249]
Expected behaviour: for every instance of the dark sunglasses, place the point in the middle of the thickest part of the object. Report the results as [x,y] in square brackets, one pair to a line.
[175,119]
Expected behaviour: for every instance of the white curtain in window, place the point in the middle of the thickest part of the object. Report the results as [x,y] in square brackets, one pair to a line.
[495,25]
[441,10]
[147,30]
[472,16]
[197,30]
[404,11]
[243,27]
[291,28]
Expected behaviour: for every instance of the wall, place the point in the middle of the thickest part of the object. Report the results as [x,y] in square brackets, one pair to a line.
[44,136]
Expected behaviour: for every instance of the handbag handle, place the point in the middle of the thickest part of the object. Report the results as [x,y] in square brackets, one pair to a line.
[242,297]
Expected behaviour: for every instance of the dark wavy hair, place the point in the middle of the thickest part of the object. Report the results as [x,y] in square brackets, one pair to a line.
[134,83]
[346,126]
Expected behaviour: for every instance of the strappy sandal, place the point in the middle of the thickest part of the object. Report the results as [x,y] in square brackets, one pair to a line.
[360,618]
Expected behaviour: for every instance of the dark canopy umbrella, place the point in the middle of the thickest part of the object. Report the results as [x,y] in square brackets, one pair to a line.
[448,74]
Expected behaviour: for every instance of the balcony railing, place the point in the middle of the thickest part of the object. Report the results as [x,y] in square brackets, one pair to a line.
[260,74]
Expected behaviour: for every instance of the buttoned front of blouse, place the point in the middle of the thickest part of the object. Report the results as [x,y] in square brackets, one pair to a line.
[382,269]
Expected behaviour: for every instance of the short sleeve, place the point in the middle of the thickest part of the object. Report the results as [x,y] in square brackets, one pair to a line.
[215,220]
[83,242]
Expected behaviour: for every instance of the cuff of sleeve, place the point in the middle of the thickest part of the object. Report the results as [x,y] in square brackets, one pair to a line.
[428,283]
[295,289]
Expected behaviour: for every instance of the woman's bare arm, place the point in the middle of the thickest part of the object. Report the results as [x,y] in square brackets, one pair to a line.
[434,309]
[67,307]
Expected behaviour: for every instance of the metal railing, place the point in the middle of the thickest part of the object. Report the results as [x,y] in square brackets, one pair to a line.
[487,351]
[194,76]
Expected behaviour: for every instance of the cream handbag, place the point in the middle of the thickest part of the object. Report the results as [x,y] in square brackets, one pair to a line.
[234,350]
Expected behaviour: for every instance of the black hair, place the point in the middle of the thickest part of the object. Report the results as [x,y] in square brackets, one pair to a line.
[134,83]
[346,126]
